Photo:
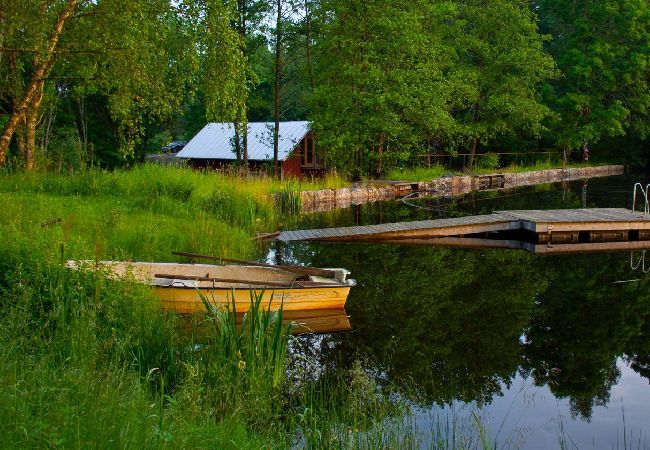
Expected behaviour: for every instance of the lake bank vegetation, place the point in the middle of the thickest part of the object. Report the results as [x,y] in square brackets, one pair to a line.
[386,85]
[87,361]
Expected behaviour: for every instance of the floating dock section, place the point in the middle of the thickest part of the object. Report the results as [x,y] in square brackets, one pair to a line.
[608,227]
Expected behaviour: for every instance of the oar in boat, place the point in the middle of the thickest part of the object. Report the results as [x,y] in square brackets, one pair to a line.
[293,269]
[249,282]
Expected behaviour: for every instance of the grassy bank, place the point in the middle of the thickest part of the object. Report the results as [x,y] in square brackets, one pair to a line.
[146,212]
[437,171]
[87,362]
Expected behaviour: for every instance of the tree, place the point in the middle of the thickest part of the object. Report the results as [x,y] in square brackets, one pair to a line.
[276,84]
[405,73]
[248,16]
[27,103]
[225,77]
[501,65]
[603,50]
[141,55]
[379,77]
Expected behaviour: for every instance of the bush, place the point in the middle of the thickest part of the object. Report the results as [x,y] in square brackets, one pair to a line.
[488,161]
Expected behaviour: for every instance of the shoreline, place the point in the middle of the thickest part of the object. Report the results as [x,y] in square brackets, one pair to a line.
[446,186]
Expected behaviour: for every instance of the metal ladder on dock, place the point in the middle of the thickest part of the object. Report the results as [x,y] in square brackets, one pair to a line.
[645,192]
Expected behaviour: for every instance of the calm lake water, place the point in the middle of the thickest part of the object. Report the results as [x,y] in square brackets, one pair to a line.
[549,351]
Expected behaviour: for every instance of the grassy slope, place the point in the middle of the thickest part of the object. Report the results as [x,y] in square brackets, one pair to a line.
[146,212]
[85,362]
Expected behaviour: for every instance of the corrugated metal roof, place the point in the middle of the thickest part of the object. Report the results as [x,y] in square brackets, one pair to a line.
[216,141]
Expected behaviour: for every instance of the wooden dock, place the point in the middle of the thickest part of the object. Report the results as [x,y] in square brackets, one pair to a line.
[560,226]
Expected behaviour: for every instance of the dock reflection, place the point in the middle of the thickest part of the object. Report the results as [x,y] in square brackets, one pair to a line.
[547,248]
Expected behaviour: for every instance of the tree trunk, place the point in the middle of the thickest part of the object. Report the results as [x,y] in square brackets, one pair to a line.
[82,126]
[41,70]
[310,69]
[276,90]
[47,132]
[2,31]
[472,153]
[21,138]
[245,146]
[380,169]
[235,125]
[242,121]
[31,122]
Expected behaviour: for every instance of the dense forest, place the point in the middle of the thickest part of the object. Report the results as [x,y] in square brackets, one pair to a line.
[385,82]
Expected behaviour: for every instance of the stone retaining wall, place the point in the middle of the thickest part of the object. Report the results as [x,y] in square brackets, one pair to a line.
[449,186]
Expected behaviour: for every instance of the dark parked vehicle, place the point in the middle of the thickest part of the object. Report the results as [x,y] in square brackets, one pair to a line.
[174,147]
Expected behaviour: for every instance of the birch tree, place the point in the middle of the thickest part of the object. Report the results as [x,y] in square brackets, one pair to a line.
[142,55]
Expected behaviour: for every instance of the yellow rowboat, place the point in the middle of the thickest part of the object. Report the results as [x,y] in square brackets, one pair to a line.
[181,286]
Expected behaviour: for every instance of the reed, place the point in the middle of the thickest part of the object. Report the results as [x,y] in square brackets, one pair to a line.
[289,200]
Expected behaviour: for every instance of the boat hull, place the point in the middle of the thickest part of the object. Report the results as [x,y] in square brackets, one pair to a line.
[184,287]
[190,300]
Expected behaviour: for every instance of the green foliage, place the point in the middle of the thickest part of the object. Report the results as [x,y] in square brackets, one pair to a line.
[156,142]
[247,359]
[397,75]
[489,161]
[225,77]
[416,174]
[380,71]
[288,199]
[144,59]
[500,65]
[65,152]
[602,49]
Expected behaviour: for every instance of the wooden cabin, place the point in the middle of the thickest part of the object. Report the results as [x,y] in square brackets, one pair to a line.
[298,154]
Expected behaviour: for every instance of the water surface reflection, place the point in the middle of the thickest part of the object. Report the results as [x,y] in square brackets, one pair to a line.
[449,326]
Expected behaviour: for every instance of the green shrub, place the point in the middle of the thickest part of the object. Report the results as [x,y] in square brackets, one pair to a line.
[488,161]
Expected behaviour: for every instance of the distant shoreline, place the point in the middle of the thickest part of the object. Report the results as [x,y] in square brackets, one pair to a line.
[445,186]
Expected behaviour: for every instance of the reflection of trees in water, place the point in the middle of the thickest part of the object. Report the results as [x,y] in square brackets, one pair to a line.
[638,349]
[447,325]
[581,325]
[429,315]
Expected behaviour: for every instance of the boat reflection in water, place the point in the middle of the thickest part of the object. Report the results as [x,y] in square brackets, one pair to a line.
[317,321]
[312,321]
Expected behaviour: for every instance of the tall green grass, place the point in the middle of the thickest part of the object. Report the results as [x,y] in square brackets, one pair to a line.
[90,362]
[489,166]
[540,165]
[417,173]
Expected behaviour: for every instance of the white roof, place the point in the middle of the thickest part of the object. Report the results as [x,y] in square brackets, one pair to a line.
[216,141]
